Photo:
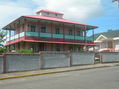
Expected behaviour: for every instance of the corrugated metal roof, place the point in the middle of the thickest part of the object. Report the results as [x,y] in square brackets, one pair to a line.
[109,34]
[57,19]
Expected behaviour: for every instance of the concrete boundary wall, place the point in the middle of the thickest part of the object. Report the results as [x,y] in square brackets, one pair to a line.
[82,58]
[110,57]
[53,60]
[1,64]
[22,62]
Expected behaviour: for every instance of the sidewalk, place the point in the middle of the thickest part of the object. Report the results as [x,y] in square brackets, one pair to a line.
[51,71]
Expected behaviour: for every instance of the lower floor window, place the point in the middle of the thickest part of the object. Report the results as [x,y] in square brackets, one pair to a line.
[71,48]
[57,47]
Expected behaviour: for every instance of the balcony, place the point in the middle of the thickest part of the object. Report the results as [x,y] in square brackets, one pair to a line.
[45,35]
[58,36]
[32,34]
[48,35]
[69,37]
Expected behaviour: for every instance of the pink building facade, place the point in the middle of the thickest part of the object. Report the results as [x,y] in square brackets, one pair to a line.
[48,31]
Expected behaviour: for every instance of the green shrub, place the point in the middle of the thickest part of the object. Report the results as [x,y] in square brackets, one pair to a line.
[25,51]
[2,50]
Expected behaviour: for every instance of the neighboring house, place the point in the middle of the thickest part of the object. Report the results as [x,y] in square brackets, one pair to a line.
[107,41]
[48,31]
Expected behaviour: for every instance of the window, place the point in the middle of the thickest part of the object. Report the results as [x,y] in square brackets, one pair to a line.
[57,30]
[70,32]
[56,15]
[43,28]
[47,13]
[33,28]
[79,49]
[33,47]
[22,27]
[71,48]
[57,47]
[78,33]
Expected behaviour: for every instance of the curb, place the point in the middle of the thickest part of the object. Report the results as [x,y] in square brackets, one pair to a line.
[44,73]
[25,75]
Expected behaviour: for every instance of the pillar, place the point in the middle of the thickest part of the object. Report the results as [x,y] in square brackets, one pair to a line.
[113,46]
[51,30]
[85,38]
[74,31]
[63,32]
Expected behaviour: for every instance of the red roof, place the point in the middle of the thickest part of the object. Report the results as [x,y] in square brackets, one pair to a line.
[57,19]
[51,19]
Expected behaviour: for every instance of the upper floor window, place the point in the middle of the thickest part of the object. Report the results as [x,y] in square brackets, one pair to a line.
[47,13]
[56,15]
[57,30]
[22,27]
[78,33]
[43,28]
[33,28]
[70,32]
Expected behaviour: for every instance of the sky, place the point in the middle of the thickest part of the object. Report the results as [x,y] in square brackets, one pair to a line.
[101,13]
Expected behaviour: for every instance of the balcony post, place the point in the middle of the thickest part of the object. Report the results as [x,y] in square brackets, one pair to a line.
[38,28]
[63,32]
[51,30]
[93,40]
[85,38]
[93,34]
[9,34]
[25,28]
[74,31]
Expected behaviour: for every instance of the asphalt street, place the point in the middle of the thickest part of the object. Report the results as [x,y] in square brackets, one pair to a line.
[99,78]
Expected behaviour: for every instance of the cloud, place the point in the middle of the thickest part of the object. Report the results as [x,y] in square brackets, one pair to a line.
[78,10]
[10,11]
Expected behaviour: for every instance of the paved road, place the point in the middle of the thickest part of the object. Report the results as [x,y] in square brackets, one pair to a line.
[100,78]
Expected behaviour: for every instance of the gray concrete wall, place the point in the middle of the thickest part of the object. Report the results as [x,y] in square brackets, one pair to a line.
[82,58]
[110,57]
[1,64]
[22,62]
[52,60]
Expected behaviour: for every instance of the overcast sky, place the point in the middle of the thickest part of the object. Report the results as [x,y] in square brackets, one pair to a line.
[102,13]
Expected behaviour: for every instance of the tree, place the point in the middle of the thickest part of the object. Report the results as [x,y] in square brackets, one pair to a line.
[116,1]
[2,39]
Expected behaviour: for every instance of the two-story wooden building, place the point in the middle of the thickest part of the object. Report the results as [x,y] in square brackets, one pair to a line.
[48,31]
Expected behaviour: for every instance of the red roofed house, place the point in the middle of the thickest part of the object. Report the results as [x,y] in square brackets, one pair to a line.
[48,31]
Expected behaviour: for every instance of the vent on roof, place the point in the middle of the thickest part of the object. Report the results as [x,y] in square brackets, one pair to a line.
[50,13]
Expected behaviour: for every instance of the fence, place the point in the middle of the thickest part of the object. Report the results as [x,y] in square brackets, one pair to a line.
[23,62]
[1,64]
[52,60]
[110,57]
[82,58]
